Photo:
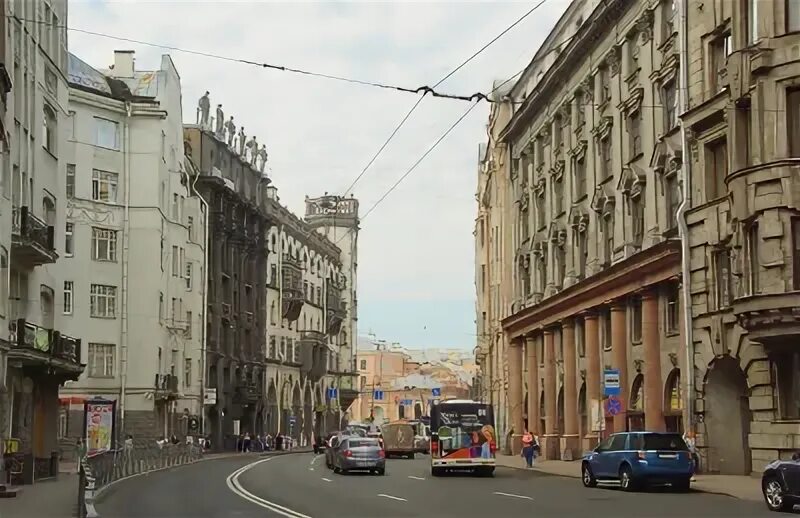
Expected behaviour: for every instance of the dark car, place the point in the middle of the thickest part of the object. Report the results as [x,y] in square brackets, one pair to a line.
[780,484]
[359,454]
[635,459]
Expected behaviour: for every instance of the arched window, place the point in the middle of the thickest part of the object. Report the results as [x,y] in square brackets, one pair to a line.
[673,402]
[49,129]
[636,405]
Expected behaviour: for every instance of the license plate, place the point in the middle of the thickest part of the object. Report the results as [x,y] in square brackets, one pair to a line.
[668,456]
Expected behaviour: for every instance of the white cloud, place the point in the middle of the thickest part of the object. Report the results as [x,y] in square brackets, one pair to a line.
[321,133]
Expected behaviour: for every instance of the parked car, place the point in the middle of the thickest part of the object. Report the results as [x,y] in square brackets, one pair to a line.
[636,459]
[359,453]
[780,484]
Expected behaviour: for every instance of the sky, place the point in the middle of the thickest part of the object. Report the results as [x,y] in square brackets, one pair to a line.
[416,249]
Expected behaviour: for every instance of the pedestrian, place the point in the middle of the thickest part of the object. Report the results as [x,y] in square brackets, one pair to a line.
[688,438]
[527,448]
[278,442]
[269,441]
[246,443]
[315,442]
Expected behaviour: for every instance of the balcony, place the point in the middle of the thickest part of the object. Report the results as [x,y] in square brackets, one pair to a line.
[32,240]
[37,347]
[248,394]
[313,355]
[292,288]
[770,319]
[336,310]
[166,387]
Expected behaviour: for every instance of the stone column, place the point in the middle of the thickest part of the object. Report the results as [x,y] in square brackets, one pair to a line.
[593,395]
[619,345]
[653,385]
[515,397]
[533,385]
[551,442]
[570,441]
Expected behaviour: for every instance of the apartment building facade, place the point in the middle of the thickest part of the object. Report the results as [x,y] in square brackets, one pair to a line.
[133,260]
[593,171]
[743,133]
[40,355]
[306,323]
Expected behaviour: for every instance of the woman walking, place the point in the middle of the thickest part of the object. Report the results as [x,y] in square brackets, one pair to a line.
[527,448]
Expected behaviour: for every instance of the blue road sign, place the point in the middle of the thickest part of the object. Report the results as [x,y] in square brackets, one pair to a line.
[613,406]
[436,392]
[611,382]
[378,395]
[406,402]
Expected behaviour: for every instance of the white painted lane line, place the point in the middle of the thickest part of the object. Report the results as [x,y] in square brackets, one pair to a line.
[327,479]
[513,495]
[416,478]
[393,497]
[233,484]
[310,469]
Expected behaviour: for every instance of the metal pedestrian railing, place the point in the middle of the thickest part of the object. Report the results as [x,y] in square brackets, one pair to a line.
[98,471]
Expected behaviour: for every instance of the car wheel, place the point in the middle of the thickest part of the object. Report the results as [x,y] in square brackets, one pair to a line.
[774,496]
[626,480]
[587,477]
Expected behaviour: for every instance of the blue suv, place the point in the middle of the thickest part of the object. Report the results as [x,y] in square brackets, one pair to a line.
[639,458]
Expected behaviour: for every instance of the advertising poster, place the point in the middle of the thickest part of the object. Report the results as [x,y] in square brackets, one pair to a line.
[99,426]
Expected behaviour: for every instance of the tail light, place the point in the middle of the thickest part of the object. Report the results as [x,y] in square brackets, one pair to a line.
[642,455]
[348,453]
[434,447]
[381,454]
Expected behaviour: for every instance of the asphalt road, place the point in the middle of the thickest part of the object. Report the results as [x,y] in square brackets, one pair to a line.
[300,486]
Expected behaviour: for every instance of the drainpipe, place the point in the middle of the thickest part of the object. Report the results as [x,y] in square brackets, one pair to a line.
[683,226]
[125,255]
[204,309]
[280,314]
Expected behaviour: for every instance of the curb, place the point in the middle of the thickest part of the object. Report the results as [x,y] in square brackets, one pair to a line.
[695,489]
[92,512]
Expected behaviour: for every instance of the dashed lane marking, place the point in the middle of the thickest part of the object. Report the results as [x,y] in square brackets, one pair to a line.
[233,484]
[512,495]
[393,497]
[416,478]
[327,479]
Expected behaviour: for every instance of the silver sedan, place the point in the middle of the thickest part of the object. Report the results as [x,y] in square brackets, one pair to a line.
[359,454]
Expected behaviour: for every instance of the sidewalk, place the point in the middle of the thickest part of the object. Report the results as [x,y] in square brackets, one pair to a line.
[747,488]
[48,499]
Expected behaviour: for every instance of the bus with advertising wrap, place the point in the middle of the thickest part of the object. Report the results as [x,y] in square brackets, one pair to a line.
[463,437]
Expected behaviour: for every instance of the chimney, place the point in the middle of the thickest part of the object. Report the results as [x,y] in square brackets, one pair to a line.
[123,64]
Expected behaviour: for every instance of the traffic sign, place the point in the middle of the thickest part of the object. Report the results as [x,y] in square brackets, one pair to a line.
[332,392]
[613,406]
[436,392]
[407,402]
[378,394]
[194,423]
[611,382]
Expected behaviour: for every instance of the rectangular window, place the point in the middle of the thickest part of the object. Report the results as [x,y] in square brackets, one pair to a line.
[106,133]
[583,253]
[673,306]
[580,113]
[101,360]
[104,186]
[580,337]
[605,84]
[69,245]
[634,134]
[175,207]
[605,322]
[579,166]
[673,195]
[189,268]
[792,16]
[182,260]
[190,227]
[558,196]
[69,295]
[608,238]
[752,258]
[103,301]
[187,372]
[722,266]
[752,21]
[176,265]
[4,281]
[636,319]
[606,157]
[716,168]
[637,219]
[785,366]
[669,99]
[70,180]
[793,120]
[670,10]
[104,244]
[188,332]
[720,50]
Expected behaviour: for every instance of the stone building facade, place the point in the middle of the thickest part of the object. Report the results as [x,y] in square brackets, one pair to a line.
[493,262]
[594,164]
[134,251]
[743,128]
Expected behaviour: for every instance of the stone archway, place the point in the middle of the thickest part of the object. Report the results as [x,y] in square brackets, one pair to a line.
[272,410]
[297,408]
[636,405]
[727,418]
[308,414]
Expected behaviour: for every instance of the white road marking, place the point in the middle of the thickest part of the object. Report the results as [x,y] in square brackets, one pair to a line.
[393,497]
[415,478]
[513,495]
[233,484]
[310,469]
[327,479]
